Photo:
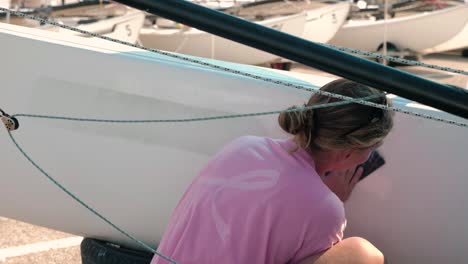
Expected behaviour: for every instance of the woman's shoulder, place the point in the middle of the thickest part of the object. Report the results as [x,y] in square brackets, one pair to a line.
[306,190]
[260,141]
[242,149]
[248,142]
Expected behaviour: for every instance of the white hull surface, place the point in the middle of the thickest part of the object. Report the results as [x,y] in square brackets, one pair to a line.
[323,23]
[124,27]
[413,209]
[195,42]
[221,3]
[414,33]
[5,3]
[457,42]
[39,3]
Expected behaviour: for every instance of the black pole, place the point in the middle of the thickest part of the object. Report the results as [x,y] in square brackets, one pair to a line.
[451,99]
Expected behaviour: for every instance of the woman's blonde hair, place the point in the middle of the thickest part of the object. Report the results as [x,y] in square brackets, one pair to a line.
[340,127]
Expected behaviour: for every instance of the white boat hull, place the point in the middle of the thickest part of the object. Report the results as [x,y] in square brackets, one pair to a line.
[5,3]
[414,33]
[194,42]
[125,28]
[459,41]
[323,23]
[218,4]
[413,209]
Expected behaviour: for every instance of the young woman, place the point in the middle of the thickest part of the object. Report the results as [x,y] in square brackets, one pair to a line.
[280,201]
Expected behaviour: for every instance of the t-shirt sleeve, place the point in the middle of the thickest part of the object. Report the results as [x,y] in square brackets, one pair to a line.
[324,230]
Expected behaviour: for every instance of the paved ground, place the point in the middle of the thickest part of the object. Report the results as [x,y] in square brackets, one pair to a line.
[23,243]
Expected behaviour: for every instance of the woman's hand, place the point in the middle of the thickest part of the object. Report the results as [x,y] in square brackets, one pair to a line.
[342,182]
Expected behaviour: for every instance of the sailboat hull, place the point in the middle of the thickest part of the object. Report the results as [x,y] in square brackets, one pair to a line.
[194,42]
[459,41]
[134,174]
[323,23]
[414,33]
[5,3]
[125,27]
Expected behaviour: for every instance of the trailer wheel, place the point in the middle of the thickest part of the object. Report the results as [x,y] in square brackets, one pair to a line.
[393,48]
[390,48]
[95,251]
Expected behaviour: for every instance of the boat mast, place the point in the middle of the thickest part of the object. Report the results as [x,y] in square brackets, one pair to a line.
[444,97]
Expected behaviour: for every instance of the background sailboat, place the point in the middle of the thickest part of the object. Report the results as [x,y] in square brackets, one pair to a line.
[178,38]
[298,18]
[5,3]
[418,33]
[111,20]
[459,41]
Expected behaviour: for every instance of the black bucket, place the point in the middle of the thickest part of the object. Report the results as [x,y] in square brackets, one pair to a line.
[95,251]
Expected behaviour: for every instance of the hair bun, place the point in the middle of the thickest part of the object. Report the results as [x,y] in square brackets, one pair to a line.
[293,122]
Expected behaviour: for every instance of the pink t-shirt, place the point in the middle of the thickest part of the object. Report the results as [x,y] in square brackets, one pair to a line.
[255,202]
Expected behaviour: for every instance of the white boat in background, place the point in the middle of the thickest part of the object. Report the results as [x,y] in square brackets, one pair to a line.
[42,3]
[125,27]
[324,18]
[323,23]
[220,4]
[417,33]
[28,3]
[459,41]
[315,21]
[134,174]
[111,20]
[191,41]
[5,3]
[98,9]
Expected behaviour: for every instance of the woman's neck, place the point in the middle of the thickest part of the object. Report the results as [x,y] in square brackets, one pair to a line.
[324,160]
